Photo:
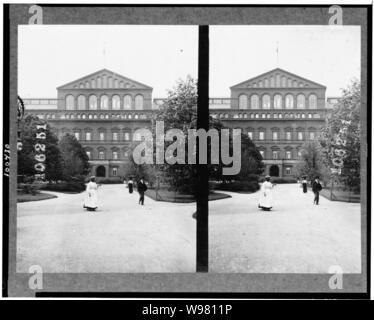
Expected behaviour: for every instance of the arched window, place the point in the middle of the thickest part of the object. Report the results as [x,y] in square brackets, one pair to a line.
[266,101]
[277,101]
[254,101]
[110,82]
[313,101]
[93,83]
[81,102]
[127,101]
[300,101]
[105,81]
[102,154]
[116,83]
[266,81]
[99,82]
[104,102]
[289,101]
[243,101]
[69,102]
[116,104]
[92,102]
[139,102]
[89,153]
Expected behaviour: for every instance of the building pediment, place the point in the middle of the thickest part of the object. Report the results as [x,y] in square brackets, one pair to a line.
[104,79]
[277,78]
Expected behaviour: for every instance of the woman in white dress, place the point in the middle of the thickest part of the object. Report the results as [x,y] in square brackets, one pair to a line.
[266,199]
[90,201]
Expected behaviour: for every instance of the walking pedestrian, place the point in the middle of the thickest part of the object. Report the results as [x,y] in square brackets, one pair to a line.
[316,188]
[304,183]
[90,201]
[266,199]
[142,188]
[130,185]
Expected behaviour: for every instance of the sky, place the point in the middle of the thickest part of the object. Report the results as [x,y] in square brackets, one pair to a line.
[52,55]
[158,56]
[324,54]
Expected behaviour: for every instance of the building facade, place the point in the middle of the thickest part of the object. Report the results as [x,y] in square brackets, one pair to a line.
[278,110]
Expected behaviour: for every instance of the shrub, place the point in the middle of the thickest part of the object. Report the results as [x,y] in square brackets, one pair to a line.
[283,180]
[237,186]
[66,186]
[30,188]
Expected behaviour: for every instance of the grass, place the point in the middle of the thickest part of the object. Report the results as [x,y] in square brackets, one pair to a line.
[171,196]
[26,197]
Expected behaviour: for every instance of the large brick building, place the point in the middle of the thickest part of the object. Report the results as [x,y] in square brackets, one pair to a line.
[279,111]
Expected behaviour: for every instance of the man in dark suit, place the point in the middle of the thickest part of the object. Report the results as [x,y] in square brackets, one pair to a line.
[316,188]
[142,188]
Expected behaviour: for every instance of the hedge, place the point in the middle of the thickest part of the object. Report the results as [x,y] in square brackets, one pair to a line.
[237,186]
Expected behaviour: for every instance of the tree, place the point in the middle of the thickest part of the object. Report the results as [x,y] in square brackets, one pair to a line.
[74,157]
[26,156]
[179,111]
[340,138]
[311,164]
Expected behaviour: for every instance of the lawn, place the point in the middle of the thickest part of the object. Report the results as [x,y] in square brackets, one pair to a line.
[26,197]
[171,196]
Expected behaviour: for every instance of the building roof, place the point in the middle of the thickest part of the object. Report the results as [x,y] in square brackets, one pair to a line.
[132,83]
[280,71]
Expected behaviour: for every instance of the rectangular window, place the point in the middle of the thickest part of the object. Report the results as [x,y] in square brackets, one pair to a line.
[275,135]
[288,135]
[312,136]
[114,171]
[250,135]
[299,135]
[102,136]
[77,136]
[288,170]
[115,155]
[88,136]
[115,136]
[299,155]
[261,135]
[275,155]
[101,155]
[127,136]
[288,154]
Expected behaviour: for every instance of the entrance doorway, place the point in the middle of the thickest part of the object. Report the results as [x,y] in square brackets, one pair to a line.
[100,171]
[274,171]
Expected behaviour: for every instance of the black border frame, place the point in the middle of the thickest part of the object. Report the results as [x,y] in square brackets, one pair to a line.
[204,220]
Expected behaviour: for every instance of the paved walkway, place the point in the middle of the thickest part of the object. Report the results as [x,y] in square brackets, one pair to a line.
[295,237]
[122,236]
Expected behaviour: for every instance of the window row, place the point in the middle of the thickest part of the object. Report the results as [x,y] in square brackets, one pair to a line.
[267,115]
[93,116]
[278,81]
[104,82]
[277,101]
[103,102]
[288,134]
[103,154]
[101,135]
[276,154]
